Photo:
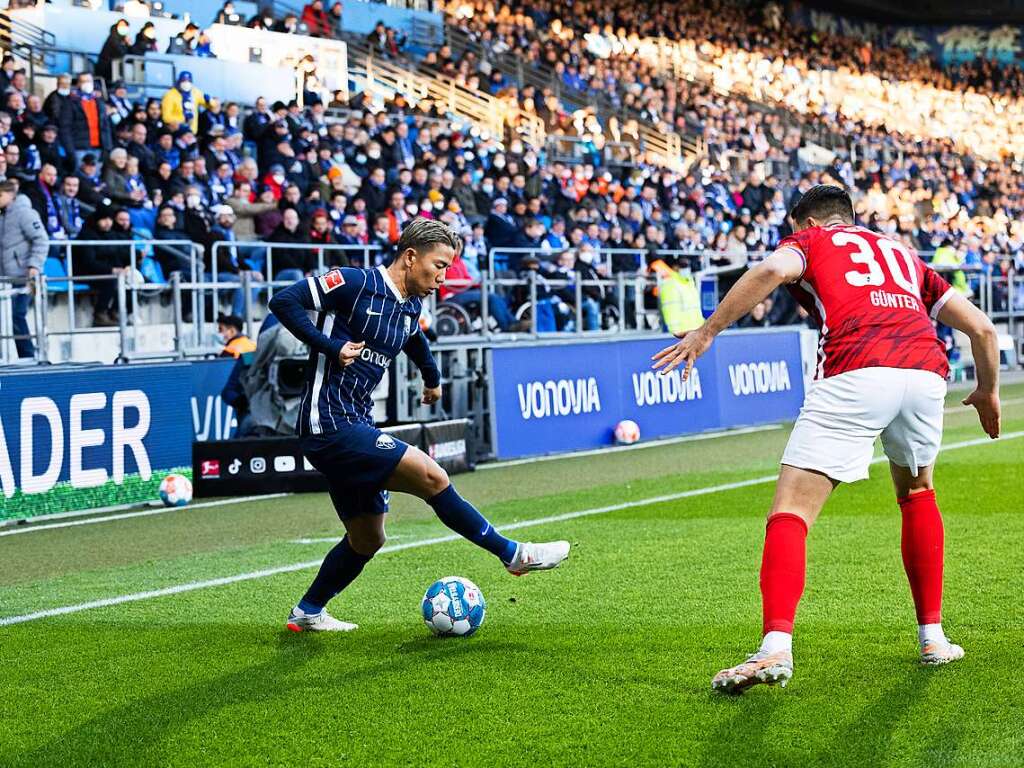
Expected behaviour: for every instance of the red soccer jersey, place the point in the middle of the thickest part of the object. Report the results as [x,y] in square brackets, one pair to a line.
[873,299]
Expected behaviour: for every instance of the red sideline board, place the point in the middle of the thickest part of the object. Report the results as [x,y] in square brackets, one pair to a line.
[263,465]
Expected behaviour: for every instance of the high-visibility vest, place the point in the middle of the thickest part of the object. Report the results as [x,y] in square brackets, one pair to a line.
[679,299]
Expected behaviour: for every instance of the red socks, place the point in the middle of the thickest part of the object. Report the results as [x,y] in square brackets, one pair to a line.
[782,570]
[922,545]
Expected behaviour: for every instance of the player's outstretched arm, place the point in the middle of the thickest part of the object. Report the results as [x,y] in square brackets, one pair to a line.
[959,313]
[783,266]
[419,352]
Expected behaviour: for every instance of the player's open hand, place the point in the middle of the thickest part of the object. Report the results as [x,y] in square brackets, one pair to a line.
[692,345]
[987,405]
[350,352]
[431,395]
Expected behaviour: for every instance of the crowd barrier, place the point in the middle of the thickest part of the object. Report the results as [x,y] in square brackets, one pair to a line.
[567,397]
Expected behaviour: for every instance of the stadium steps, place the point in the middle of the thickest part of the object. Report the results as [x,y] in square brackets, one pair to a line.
[665,148]
[384,79]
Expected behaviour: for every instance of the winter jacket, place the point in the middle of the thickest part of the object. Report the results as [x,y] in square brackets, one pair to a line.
[291,258]
[172,110]
[23,239]
[245,214]
[74,128]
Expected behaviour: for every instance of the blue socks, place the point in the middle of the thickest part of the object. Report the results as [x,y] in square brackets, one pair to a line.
[339,569]
[463,518]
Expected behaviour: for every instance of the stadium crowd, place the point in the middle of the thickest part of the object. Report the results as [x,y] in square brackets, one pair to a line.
[97,166]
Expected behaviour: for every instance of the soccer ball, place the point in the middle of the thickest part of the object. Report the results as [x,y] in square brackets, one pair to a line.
[453,606]
[175,491]
[627,432]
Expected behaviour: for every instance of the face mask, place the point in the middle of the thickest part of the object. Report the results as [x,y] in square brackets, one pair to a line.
[64,91]
[122,31]
[360,158]
[374,154]
[278,178]
[499,163]
[586,257]
[185,87]
[192,201]
[150,34]
[412,209]
[487,188]
[86,88]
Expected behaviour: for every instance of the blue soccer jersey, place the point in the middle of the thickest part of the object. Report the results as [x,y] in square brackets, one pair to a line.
[360,305]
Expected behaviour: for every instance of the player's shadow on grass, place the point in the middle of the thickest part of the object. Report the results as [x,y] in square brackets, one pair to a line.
[753,733]
[137,732]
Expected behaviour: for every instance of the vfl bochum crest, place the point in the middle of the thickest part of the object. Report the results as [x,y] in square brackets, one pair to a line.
[385,442]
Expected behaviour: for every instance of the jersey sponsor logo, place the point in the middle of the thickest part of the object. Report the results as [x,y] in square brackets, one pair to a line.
[650,388]
[385,442]
[564,397]
[377,358]
[759,378]
[330,281]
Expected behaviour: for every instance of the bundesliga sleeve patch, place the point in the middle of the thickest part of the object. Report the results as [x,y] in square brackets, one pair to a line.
[331,280]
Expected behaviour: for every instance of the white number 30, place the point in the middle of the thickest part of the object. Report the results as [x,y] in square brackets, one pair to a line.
[875,276]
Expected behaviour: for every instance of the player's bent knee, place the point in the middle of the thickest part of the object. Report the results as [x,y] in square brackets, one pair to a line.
[435,478]
[367,543]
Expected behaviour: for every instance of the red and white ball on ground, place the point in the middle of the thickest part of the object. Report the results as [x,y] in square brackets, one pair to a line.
[175,491]
[627,432]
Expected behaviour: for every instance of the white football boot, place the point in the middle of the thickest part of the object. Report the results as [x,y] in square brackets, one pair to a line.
[760,669]
[934,653]
[300,621]
[538,557]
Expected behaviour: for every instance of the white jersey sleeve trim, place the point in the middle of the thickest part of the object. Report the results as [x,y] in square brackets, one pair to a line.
[390,283]
[316,293]
[938,305]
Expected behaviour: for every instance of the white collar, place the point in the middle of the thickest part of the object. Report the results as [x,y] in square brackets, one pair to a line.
[389,282]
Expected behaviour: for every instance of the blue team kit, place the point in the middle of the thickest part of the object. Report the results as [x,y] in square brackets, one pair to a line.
[335,421]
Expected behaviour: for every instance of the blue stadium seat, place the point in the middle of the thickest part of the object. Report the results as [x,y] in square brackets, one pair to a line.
[54,269]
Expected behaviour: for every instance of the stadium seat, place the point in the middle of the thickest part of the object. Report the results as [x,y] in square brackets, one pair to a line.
[54,270]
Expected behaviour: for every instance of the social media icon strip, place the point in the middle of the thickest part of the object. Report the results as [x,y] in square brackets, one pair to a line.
[257,465]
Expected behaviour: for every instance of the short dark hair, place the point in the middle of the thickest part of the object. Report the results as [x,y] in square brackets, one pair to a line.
[821,202]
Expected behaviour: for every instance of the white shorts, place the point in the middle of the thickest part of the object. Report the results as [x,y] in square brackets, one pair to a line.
[843,414]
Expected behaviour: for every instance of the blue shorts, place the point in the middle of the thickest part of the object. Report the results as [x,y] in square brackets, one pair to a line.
[356,460]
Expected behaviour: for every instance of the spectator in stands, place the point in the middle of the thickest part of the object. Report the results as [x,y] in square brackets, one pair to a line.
[114,49]
[268,221]
[336,21]
[172,258]
[262,19]
[184,43]
[91,190]
[236,343]
[290,263]
[84,125]
[374,191]
[23,249]
[181,103]
[232,262]
[204,46]
[289,25]
[227,15]
[7,68]
[317,20]
[69,209]
[102,259]
[145,41]
[51,151]
[377,39]
[119,106]
[55,99]
[43,195]
[462,287]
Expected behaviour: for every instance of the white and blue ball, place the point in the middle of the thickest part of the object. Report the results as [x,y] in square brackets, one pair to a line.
[175,491]
[453,606]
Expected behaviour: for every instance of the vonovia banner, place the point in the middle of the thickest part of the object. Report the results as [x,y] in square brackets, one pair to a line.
[87,437]
[564,397]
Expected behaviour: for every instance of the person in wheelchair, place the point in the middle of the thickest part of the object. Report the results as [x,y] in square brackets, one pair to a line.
[462,287]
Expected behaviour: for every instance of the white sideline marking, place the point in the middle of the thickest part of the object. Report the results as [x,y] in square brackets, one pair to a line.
[252,575]
[29,528]
[334,539]
[959,408]
[633,447]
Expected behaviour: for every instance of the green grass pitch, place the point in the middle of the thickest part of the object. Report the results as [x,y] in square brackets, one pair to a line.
[604,662]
